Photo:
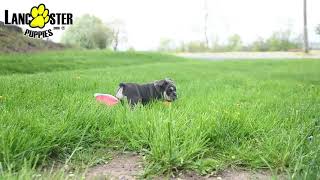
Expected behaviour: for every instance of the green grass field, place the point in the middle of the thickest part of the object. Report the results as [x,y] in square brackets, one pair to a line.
[246,114]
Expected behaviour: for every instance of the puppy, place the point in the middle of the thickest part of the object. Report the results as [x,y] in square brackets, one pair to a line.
[144,93]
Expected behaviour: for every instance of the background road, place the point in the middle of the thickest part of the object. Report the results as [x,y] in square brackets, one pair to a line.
[250,55]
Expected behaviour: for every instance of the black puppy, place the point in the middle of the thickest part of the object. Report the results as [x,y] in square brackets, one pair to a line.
[144,93]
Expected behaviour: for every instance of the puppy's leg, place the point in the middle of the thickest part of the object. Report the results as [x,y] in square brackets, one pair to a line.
[134,101]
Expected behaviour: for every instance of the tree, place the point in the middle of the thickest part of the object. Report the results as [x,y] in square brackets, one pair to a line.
[206,23]
[305,28]
[88,32]
[318,29]
[215,45]
[259,45]
[166,45]
[119,34]
[281,41]
[182,47]
[196,46]
[234,43]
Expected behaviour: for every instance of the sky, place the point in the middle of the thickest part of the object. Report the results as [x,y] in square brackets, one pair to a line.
[146,22]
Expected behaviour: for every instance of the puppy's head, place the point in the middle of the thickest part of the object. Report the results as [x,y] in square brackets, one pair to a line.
[167,88]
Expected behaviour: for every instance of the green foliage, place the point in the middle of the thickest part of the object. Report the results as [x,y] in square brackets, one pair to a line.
[88,32]
[278,41]
[196,46]
[234,43]
[166,45]
[259,45]
[239,118]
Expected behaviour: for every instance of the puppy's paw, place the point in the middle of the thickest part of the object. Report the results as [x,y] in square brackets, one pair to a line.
[167,103]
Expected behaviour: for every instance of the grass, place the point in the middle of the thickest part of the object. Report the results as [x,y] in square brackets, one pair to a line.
[246,114]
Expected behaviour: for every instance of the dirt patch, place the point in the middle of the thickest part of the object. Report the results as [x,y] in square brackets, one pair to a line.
[129,166]
[124,166]
[232,174]
[244,175]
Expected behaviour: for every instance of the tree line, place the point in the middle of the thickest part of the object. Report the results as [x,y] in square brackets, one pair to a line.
[278,41]
[90,32]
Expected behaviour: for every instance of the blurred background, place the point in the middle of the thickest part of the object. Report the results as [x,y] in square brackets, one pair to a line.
[184,25]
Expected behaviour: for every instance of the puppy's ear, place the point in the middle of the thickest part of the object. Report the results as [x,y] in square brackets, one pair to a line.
[169,80]
[159,85]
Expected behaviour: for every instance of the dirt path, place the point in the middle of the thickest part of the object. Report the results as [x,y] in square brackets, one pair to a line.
[129,166]
[126,166]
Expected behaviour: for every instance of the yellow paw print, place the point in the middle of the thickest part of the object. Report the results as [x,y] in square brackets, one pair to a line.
[40,16]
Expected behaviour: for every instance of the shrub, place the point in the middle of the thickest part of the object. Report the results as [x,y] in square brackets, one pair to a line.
[88,32]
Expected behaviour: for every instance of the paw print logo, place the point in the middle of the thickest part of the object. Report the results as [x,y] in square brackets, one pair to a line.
[40,16]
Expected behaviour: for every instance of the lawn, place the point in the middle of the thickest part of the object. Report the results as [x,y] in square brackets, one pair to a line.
[262,114]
